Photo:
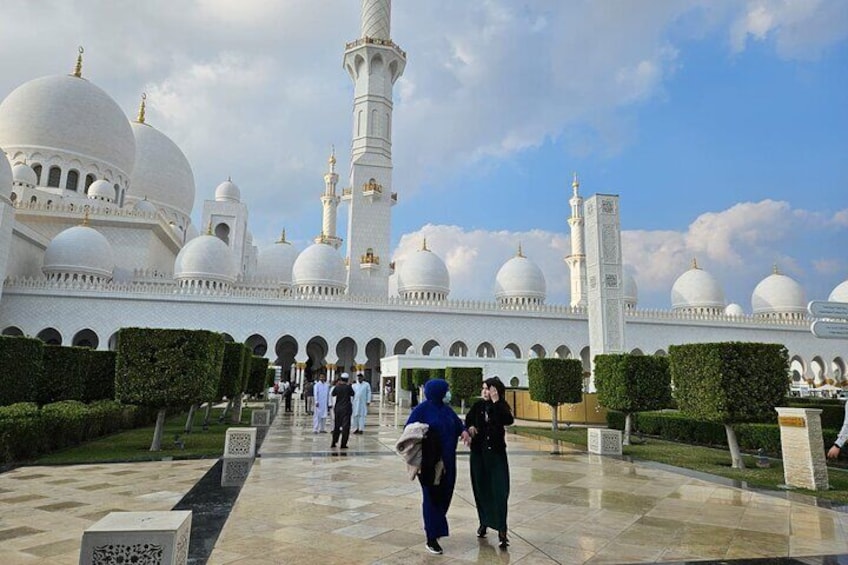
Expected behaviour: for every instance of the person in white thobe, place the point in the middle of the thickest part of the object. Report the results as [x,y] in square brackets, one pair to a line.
[361,400]
[321,391]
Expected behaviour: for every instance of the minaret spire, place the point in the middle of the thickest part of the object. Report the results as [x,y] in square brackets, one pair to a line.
[374,63]
[141,108]
[330,204]
[576,261]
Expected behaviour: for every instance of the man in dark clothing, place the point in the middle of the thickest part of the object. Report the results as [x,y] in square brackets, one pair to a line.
[288,396]
[342,410]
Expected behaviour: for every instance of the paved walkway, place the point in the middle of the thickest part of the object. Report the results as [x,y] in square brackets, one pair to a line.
[306,503]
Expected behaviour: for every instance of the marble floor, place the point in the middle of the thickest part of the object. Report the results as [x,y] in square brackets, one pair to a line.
[306,503]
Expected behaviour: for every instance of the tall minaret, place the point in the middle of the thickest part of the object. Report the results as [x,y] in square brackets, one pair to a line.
[374,63]
[577,260]
[330,202]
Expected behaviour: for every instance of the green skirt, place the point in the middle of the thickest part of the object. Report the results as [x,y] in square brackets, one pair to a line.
[490,482]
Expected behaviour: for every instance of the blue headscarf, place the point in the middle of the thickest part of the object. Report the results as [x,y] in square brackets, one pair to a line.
[435,390]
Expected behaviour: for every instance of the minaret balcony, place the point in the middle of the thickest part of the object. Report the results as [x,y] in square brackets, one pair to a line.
[347,194]
[369,261]
[375,41]
[371,190]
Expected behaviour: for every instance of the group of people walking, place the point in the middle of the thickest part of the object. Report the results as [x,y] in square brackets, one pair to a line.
[348,402]
[430,449]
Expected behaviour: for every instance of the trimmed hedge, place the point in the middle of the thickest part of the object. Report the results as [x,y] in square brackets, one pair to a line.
[258,376]
[65,370]
[465,383]
[99,381]
[231,381]
[420,376]
[21,369]
[437,374]
[27,431]
[729,382]
[555,381]
[167,368]
[406,380]
[632,383]
[247,360]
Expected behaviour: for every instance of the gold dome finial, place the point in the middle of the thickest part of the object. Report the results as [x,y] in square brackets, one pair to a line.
[695,263]
[85,217]
[141,108]
[78,66]
[283,237]
[575,184]
[520,253]
[209,228]
[424,245]
[332,159]
[774,269]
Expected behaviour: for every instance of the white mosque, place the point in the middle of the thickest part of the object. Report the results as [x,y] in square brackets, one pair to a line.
[96,235]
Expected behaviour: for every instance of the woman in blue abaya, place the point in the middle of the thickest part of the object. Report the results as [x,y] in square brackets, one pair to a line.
[445,428]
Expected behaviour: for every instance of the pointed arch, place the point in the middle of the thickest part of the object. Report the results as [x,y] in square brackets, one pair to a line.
[85,338]
[486,350]
[562,352]
[257,344]
[458,349]
[511,351]
[537,352]
[432,347]
[403,347]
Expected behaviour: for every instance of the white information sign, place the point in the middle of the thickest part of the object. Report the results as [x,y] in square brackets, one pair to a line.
[824,309]
[830,330]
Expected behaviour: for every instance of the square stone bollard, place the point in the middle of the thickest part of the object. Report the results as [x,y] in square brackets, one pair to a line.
[240,442]
[272,408]
[154,538]
[801,442]
[234,470]
[260,418]
[604,442]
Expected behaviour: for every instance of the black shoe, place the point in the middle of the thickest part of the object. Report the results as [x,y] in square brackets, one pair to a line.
[481,532]
[332,446]
[504,542]
[344,447]
[433,546]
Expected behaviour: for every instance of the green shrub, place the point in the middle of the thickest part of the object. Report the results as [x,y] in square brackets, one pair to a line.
[66,419]
[65,370]
[420,376]
[555,381]
[406,380]
[247,360]
[231,382]
[167,368]
[258,376]
[632,383]
[99,382]
[465,383]
[437,374]
[21,369]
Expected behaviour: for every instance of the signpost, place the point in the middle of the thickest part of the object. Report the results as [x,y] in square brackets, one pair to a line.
[833,327]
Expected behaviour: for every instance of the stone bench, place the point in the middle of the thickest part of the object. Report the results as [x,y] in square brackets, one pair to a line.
[240,442]
[154,538]
[604,442]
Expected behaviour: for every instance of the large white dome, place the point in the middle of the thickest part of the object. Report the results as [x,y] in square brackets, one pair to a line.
[423,275]
[205,258]
[778,295]
[71,115]
[162,173]
[696,289]
[520,280]
[6,176]
[79,251]
[319,266]
[840,293]
[276,261]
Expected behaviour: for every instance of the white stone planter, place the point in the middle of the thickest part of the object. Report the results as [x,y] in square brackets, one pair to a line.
[240,442]
[155,538]
[604,442]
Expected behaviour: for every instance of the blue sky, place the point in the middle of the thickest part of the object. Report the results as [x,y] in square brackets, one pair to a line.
[722,125]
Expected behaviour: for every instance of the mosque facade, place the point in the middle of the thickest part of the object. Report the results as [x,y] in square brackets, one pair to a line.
[96,235]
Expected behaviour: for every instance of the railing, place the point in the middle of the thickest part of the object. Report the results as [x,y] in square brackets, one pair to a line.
[375,41]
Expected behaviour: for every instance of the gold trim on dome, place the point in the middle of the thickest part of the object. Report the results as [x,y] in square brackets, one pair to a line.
[141,108]
[78,67]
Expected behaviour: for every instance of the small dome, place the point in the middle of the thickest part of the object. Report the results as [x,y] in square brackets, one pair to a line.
[520,280]
[423,275]
[101,190]
[6,176]
[319,266]
[840,293]
[228,191]
[24,175]
[734,310]
[630,292]
[779,296]
[275,263]
[205,258]
[162,174]
[145,206]
[696,289]
[71,115]
[79,251]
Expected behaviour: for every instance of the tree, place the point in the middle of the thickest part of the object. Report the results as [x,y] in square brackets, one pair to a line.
[167,369]
[632,383]
[554,382]
[465,383]
[247,359]
[729,383]
[258,376]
